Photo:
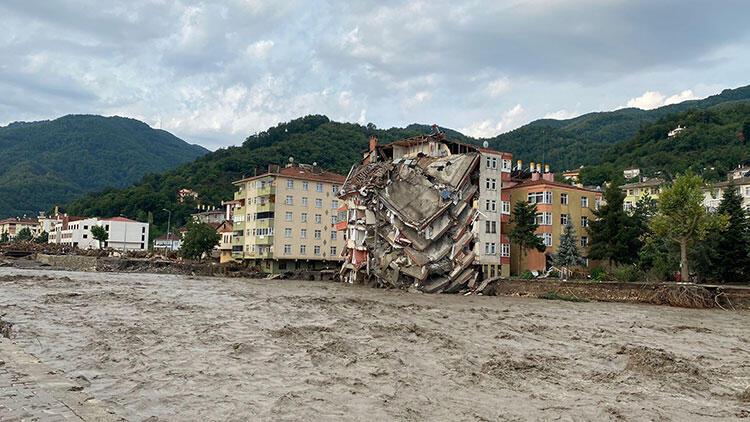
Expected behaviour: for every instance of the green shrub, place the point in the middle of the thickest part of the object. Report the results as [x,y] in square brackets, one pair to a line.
[527,275]
[628,273]
[598,274]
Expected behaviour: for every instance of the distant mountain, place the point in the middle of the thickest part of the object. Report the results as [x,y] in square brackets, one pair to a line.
[54,161]
[588,139]
[569,143]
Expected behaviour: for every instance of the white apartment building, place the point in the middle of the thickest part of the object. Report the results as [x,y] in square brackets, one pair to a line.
[124,234]
[712,196]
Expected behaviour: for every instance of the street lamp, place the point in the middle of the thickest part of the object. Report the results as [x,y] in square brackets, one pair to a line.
[169,222]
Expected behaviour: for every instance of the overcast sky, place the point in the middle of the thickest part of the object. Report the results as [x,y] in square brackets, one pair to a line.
[213,74]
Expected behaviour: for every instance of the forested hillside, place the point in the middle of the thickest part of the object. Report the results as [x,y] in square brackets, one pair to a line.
[50,162]
[621,138]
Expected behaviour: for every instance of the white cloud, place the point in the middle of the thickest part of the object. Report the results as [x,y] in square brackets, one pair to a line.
[260,49]
[487,128]
[654,99]
[417,99]
[561,115]
[498,87]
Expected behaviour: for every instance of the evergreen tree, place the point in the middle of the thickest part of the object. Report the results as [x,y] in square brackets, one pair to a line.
[199,239]
[682,218]
[524,228]
[615,235]
[24,235]
[567,254]
[724,253]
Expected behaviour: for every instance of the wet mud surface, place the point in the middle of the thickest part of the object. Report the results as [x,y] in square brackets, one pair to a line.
[190,348]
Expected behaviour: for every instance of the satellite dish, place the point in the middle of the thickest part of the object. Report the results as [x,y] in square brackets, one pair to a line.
[291,159]
[315,164]
[486,144]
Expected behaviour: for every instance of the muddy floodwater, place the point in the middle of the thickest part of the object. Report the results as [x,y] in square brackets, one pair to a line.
[189,348]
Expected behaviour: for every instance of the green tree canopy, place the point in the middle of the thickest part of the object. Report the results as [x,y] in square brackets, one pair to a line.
[100,234]
[524,228]
[200,239]
[682,218]
[4,238]
[567,254]
[43,237]
[23,235]
[615,235]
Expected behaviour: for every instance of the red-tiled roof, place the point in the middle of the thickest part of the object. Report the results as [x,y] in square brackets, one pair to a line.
[122,219]
[303,173]
[541,182]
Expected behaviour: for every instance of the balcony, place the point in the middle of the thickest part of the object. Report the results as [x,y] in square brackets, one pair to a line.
[260,255]
[266,190]
[264,240]
[268,206]
[240,194]
[264,223]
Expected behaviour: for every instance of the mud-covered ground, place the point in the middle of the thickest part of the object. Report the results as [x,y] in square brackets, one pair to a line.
[186,348]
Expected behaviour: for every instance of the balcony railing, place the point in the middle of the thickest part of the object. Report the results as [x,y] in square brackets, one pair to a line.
[264,240]
[268,206]
[264,223]
[266,190]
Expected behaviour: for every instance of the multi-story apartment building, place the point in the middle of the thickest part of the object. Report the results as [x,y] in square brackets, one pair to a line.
[285,219]
[713,195]
[493,245]
[635,191]
[11,226]
[557,204]
[124,234]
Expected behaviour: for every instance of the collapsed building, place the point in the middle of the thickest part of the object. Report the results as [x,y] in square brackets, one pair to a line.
[426,212]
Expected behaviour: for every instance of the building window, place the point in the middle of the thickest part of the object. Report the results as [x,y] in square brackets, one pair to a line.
[290,184]
[302,249]
[85,236]
[564,198]
[334,219]
[546,238]
[316,250]
[317,234]
[564,219]
[584,202]
[584,241]
[539,197]
[289,200]
[335,188]
[334,252]
[85,227]
[507,165]
[505,249]
[318,203]
[544,218]
[334,204]
[303,234]
[506,207]
[490,205]
[303,217]
[318,187]
[305,186]
[318,219]
[304,201]
[287,249]
[288,233]
[490,184]
[489,248]
[333,234]
[288,216]
[584,221]
[490,226]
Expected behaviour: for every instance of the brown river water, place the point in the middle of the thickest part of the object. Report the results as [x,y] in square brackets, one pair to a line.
[211,349]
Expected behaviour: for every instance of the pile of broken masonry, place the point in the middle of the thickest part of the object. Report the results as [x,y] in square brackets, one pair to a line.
[417,217]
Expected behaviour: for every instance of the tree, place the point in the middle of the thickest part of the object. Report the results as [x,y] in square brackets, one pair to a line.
[567,254]
[199,239]
[99,234]
[4,238]
[24,235]
[724,253]
[524,228]
[682,219]
[615,235]
[43,237]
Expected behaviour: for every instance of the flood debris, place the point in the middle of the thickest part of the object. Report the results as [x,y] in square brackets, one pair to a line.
[411,216]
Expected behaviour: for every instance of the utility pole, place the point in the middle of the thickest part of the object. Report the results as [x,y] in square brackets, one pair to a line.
[169,223]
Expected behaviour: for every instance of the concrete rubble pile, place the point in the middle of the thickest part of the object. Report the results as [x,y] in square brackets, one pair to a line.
[411,220]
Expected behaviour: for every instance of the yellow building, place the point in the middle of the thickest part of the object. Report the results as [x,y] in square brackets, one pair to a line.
[285,219]
[557,203]
[12,226]
[635,191]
